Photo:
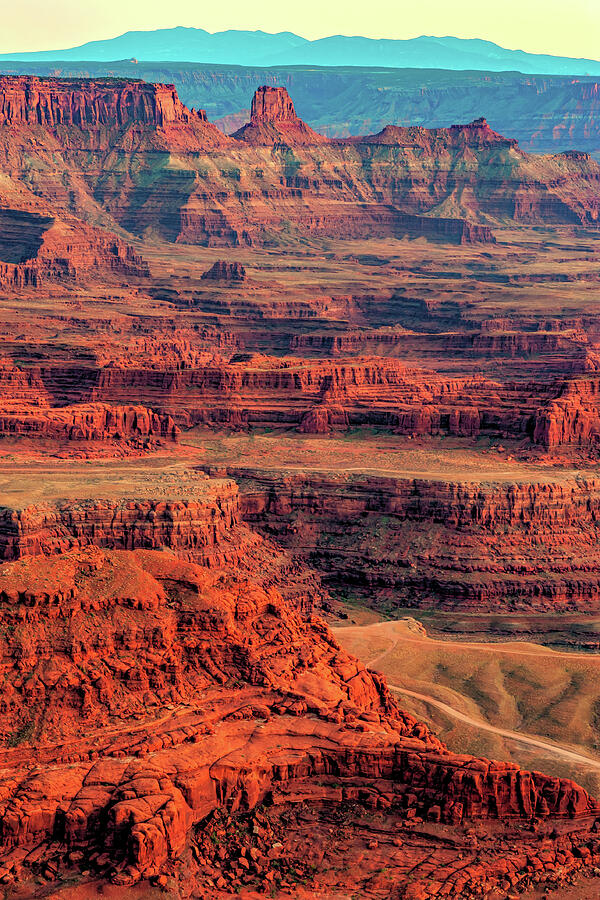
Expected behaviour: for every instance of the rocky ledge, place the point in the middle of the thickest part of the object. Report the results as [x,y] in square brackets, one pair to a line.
[143,695]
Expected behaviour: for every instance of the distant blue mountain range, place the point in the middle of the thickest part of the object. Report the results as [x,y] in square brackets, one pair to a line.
[258,48]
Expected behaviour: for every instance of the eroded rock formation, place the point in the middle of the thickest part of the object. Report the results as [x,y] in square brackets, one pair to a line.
[86,422]
[225,271]
[273,120]
[204,525]
[476,546]
[232,194]
[279,715]
[110,102]
[166,680]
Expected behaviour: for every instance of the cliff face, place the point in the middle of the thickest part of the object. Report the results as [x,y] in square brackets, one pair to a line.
[312,395]
[434,543]
[477,135]
[546,113]
[279,714]
[273,120]
[272,104]
[86,422]
[88,103]
[188,182]
[206,528]
[37,248]
[164,671]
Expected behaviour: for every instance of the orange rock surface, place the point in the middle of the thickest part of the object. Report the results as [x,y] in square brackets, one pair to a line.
[144,693]
[475,546]
[172,707]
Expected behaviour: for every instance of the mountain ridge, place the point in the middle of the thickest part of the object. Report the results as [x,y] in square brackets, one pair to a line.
[237,47]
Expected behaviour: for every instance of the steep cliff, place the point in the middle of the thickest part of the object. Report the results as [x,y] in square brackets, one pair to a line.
[191,183]
[546,113]
[273,120]
[204,523]
[38,247]
[312,395]
[85,422]
[108,106]
[429,542]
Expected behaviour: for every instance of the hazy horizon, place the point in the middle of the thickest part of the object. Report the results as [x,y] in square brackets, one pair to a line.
[534,26]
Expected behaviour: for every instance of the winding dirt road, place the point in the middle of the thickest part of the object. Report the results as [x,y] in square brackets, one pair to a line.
[552,749]
[547,746]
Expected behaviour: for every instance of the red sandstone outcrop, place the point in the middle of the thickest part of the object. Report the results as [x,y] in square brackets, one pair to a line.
[272,104]
[476,134]
[35,249]
[573,418]
[205,526]
[88,103]
[86,422]
[225,271]
[494,546]
[195,386]
[106,104]
[273,120]
[233,195]
[201,387]
[149,703]
[379,392]
[454,231]
[236,701]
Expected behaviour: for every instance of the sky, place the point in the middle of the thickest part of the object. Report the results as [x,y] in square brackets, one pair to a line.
[538,26]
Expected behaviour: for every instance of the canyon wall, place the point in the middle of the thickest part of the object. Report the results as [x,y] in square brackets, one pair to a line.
[85,422]
[312,395]
[428,542]
[52,102]
[205,527]
[546,113]
[200,186]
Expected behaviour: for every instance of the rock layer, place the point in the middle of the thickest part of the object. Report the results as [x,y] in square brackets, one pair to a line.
[205,527]
[280,714]
[273,120]
[476,546]
[235,195]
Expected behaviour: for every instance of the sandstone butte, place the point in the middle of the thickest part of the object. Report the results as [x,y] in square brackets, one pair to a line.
[236,194]
[173,707]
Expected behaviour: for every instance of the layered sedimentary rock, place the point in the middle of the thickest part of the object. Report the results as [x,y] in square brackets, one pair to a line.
[109,103]
[427,542]
[36,249]
[573,417]
[86,422]
[280,715]
[453,231]
[315,396]
[165,678]
[193,184]
[273,120]
[377,392]
[203,523]
[225,271]
[546,113]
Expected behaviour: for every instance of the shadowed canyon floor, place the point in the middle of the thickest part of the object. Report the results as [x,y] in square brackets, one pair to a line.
[253,384]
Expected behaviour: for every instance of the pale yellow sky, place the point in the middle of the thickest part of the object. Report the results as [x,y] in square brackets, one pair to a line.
[539,26]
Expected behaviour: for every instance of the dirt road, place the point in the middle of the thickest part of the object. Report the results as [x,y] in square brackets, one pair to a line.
[547,747]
